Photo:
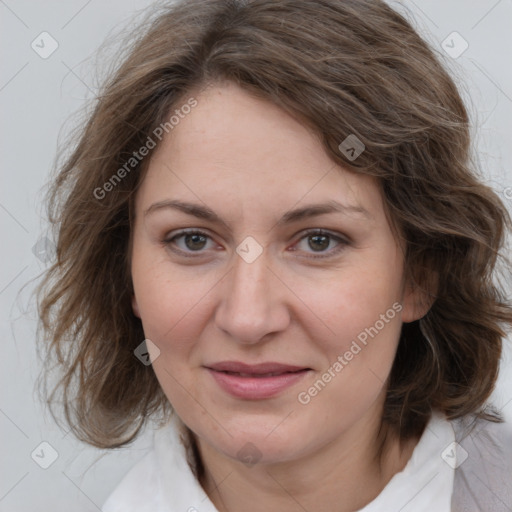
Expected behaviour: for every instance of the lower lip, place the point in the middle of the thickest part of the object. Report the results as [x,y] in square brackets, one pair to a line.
[256,388]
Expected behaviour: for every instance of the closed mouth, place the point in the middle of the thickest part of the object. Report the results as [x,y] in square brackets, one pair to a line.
[260,375]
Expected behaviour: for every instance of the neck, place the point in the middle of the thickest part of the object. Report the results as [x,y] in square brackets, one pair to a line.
[344,475]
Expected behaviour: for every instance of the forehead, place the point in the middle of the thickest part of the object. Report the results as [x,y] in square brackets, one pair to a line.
[235,147]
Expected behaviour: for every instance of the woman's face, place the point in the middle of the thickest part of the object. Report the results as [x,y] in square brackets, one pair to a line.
[289,263]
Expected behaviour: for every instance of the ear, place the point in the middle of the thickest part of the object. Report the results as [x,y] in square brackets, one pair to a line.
[418,297]
[135,306]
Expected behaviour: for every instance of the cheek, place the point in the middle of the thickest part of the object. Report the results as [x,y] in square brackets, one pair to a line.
[358,335]
[364,323]
[169,304]
[173,314]
[363,295]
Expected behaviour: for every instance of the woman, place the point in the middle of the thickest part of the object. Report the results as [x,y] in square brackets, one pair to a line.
[270,229]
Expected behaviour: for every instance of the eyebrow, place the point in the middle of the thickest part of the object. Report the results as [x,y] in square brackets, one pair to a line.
[313,210]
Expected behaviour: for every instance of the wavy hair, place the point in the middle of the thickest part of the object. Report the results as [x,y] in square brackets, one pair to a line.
[352,67]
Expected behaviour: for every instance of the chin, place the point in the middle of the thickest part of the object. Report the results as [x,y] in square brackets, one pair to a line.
[258,445]
[261,451]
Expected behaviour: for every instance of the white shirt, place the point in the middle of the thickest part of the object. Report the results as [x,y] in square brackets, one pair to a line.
[162,481]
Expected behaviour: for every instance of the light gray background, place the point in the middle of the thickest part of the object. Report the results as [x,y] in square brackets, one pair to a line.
[37,97]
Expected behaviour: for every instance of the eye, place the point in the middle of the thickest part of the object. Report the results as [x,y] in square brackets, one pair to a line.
[320,241]
[189,241]
[193,242]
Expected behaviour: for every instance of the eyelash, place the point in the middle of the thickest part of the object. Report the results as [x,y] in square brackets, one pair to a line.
[342,242]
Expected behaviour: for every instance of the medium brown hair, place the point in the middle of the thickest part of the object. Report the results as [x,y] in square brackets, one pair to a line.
[352,67]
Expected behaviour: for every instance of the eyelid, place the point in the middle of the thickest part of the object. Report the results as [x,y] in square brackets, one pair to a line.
[322,231]
[185,231]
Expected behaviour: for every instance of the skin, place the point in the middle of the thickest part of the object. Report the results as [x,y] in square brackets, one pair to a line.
[250,162]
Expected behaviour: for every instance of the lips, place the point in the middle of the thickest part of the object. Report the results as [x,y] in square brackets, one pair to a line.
[255,370]
[255,382]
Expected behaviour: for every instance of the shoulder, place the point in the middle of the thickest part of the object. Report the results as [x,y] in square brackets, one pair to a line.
[138,490]
[483,475]
[162,481]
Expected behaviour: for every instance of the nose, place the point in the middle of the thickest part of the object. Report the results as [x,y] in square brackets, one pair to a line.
[253,301]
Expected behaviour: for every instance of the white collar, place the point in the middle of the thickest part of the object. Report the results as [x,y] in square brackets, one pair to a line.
[163,481]
[426,482]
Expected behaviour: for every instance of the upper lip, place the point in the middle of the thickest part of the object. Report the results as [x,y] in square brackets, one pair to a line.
[256,369]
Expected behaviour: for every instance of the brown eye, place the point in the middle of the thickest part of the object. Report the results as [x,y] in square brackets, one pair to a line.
[318,242]
[324,243]
[188,242]
[195,242]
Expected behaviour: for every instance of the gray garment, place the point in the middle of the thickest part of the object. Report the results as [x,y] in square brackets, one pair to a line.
[483,482]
